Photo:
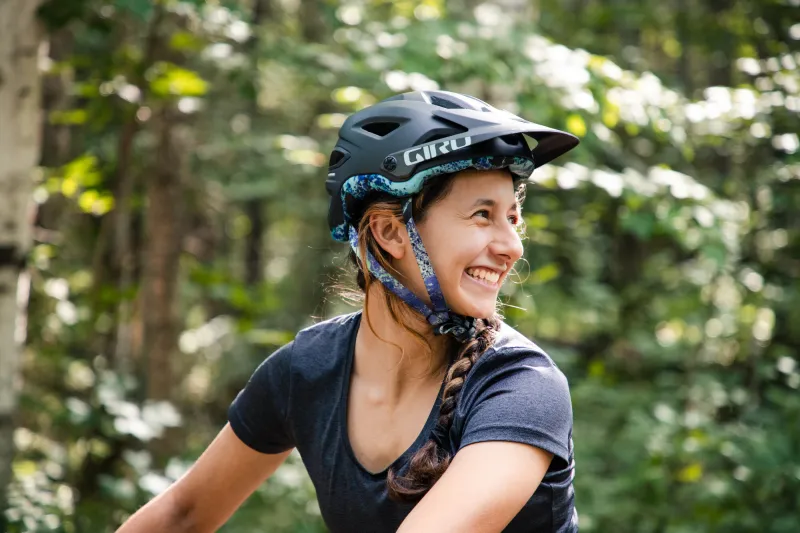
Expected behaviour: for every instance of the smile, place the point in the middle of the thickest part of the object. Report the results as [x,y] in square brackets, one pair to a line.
[483,277]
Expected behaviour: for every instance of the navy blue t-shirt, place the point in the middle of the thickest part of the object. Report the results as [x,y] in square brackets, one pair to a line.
[298,398]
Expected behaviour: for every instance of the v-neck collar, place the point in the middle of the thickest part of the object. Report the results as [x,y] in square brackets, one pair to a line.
[422,437]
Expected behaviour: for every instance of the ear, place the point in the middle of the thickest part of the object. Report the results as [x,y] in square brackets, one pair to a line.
[390,234]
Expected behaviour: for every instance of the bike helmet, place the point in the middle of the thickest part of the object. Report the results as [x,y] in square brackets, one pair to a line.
[398,144]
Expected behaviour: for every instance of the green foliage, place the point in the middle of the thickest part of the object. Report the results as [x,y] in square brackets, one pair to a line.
[170,80]
[661,256]
[56,14]
[140,9]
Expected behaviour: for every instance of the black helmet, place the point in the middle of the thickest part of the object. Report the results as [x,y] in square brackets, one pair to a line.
[397,144]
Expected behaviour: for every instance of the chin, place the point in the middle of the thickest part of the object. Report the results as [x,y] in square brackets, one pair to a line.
[472,301]
[481,310]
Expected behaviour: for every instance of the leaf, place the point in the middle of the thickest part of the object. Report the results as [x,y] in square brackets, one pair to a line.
[597,368]
[544,274]
[239,297]
[184,41]
[72,117]
[86,200]
[610,115]
[537,221]
[69,187]
[576,125]
[24,468]
[83,171]
[716,252]
[103,204]
[691,473]
[639,223]
[631,129]
[168,79]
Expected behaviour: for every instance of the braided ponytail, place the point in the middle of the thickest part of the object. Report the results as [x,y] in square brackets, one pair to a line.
[431,461]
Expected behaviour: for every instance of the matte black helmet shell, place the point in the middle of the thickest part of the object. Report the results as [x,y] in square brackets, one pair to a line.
[387,144]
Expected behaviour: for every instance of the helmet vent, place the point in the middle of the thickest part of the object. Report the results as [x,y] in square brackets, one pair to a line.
[435,138]
[448,128]
[381,129]
[338,157]
[443,102]
[512,140]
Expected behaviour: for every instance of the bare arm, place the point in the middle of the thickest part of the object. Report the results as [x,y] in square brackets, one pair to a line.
[209,493]
[482,490]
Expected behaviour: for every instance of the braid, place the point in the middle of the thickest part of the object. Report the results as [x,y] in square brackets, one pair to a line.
[431,461]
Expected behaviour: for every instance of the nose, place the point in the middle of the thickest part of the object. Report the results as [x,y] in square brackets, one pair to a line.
[507,244]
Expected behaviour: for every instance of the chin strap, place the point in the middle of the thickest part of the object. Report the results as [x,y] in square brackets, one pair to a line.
[444,321]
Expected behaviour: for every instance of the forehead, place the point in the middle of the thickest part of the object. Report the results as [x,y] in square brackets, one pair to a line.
[470,185]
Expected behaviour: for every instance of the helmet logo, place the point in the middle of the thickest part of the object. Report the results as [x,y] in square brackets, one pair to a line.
[390,163]
[429,151]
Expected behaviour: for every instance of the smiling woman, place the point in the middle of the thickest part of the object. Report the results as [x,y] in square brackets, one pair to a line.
[472,239]
[423,411]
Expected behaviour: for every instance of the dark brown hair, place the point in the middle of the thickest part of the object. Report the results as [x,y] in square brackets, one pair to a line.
[431,461]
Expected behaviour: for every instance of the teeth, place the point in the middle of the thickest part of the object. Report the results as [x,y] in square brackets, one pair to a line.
[484,274]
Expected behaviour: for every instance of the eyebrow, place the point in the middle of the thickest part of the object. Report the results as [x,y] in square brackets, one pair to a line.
[488,202]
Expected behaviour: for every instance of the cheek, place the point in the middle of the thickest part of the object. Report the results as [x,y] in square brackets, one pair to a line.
[453,249]
[456,252]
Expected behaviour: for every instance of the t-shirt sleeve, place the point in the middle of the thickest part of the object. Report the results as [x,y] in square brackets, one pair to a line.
[519,397]
[260,413]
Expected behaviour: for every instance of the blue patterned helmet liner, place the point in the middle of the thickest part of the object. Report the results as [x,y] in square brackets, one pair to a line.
[443,320]
[423,262]
[386,279]
[359,186]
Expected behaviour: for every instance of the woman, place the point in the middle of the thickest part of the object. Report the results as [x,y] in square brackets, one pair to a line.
[423,412]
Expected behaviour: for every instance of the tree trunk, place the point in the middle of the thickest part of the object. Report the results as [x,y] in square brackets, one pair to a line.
[254,262]
[115,232]
[254,208]
[19,152]
[720,71]
[683,17]
[57,147]
[312,22]
[161,255]
[123,247]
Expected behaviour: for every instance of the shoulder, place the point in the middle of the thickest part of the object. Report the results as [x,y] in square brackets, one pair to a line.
[324,330]
[509,339]
[514,353]
[515,370]
[324,346]
[515,392]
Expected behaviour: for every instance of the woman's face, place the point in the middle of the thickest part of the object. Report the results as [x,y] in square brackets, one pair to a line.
[472,242]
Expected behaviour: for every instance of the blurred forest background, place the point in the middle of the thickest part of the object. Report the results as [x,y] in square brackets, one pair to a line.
[179,237]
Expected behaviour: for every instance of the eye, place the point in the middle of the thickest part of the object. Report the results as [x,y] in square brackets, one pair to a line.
[514,219]
[484,215]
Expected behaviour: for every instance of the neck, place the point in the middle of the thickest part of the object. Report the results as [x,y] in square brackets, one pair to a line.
[392,357]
